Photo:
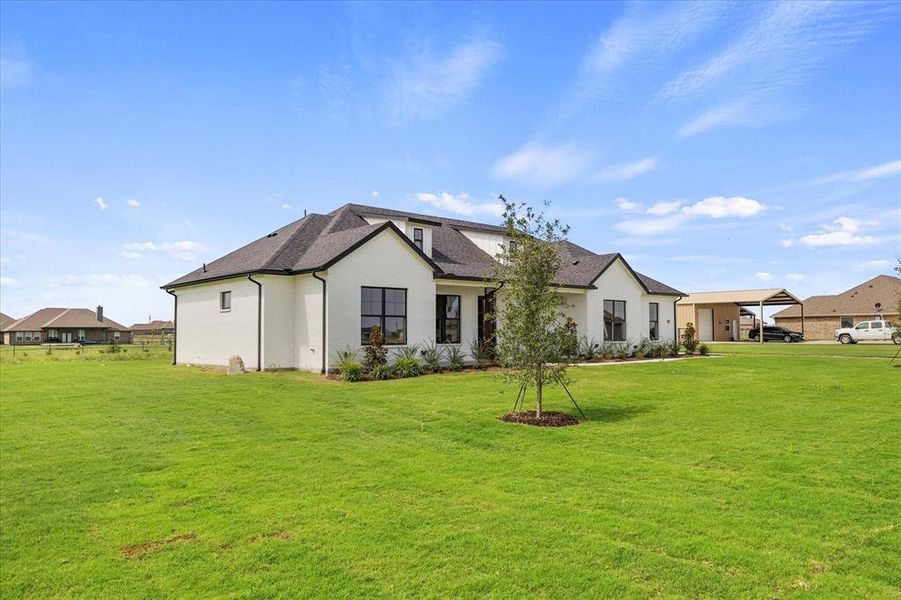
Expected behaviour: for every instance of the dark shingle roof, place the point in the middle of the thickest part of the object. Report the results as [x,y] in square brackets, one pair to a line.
[316,241]
[62,318]
[859,300]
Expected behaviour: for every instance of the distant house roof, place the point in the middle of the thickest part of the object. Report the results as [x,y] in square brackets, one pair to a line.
[156,325]
[62,318]
[769,297]
[4,319]
[859,300]
[317,241]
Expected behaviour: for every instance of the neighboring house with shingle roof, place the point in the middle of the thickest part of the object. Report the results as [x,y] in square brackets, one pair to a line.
[64,325]
[294,297]
[4,320]
[874,299]
[155,327]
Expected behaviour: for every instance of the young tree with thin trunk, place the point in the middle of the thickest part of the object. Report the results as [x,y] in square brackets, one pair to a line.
[533,337]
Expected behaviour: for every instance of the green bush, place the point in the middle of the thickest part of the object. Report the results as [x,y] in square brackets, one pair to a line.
[689,339]
[375,353]
[349,366]
[482,352]
[588,348]
[454,358]
[382,372]
[431,357]
[704,350]
[407,366]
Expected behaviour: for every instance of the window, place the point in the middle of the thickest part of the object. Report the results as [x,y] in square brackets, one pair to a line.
[27,336]
[864,325]
[81,335]
[847,322]
[876,325]
[116,335]
[654,322]
[20,337]
[225,300]
[387,308]
[417,237]
[513,245]
[447,329]
[614,320]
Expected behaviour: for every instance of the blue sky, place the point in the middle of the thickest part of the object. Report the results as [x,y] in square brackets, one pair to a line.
[717,146]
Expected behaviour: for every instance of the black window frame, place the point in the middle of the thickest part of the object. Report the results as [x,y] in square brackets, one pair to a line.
[223,295]
[512,245]
[654,323]
[419,243]
[364,337]
[612,337]
[843,320]
[441,319]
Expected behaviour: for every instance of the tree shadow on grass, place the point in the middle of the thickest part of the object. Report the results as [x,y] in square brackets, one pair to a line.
[613,414]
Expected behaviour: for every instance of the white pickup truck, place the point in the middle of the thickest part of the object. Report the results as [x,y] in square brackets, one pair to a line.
[868,331]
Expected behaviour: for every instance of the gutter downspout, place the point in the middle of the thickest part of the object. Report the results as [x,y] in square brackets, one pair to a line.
[259,322]
[324,346]
[175,323]
[676,321]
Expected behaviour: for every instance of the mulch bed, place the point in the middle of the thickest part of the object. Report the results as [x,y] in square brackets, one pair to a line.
[547,419]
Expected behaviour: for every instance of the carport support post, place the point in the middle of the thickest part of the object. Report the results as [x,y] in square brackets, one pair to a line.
[802,319]
[761,322]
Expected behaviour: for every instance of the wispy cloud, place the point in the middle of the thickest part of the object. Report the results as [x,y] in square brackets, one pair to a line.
[628,170]
[763,276]
[181,250]
[133,203]
[374,194]
[9,282]
[545,165]
[888,169]
[874,265]
[425,86]
[794,276]
[843,231]
[779,49]
[15,69]
[626,205]
[667,216]
[100,203]
[460,203]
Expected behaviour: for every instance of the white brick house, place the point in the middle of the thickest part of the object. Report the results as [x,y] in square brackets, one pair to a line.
[292,298]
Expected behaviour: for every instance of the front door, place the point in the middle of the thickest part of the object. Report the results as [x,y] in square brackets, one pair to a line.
[705,324]
[66,337]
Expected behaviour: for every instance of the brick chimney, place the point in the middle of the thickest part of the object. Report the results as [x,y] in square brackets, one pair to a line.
[100,313]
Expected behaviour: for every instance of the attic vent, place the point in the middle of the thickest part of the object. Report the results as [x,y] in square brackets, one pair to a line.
[273,234]
[575,262]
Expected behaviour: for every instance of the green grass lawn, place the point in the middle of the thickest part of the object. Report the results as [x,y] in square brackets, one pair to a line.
[748,476]
[863,349]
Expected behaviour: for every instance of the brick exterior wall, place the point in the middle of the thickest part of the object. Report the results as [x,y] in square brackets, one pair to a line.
[823,328]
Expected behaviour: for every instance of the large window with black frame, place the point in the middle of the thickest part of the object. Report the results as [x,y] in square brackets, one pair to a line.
[614,320]
[447,323]
[387,308]
[654,321]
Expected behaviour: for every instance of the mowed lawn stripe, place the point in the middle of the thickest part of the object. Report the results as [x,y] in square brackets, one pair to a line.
[737,476]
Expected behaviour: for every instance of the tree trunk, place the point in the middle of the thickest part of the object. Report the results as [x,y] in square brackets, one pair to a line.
[538,399]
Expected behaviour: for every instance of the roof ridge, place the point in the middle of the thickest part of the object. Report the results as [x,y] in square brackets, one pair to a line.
[56,318]
[307,219]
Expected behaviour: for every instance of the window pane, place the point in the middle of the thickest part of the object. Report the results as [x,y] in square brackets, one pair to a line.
[396,302]
[653,310]
[619,309]
[863,326]
[366,324]
[451,332]
[371,301]
[847,322]
[395,330]
[653,331]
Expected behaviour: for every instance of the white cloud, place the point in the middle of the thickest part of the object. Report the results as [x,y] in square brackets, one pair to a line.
[865,174]
[874,265]
[131,255]
[180,250]
[460,204]
[627,171]
[731,113]
[788,243]
[626,205]
[544,165]
[9,282]
[374,194]
[786,227]
[133,203]
[139,246]
[664,208]
[794,276]
[425,86]
[843,231]
[99,202]
[651,226]
[287,206]
[763,276]
[717,207]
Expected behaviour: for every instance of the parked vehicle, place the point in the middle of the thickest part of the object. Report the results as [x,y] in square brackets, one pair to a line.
[86,342]
[773,333]
[868,331]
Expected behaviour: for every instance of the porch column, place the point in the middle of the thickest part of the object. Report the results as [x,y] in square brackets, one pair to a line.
[802,318]
[761,322]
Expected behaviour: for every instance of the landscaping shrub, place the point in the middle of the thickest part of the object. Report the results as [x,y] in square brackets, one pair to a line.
[570,342]
[411,351]
[482,352]
[689,341]
[407,366]
[382,372]
[454,358]
[431,357]
[349,366]
[588,348]
[704,350]
[375,353]
[114,348]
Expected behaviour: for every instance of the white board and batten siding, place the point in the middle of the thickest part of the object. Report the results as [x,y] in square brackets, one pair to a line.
[490,243]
